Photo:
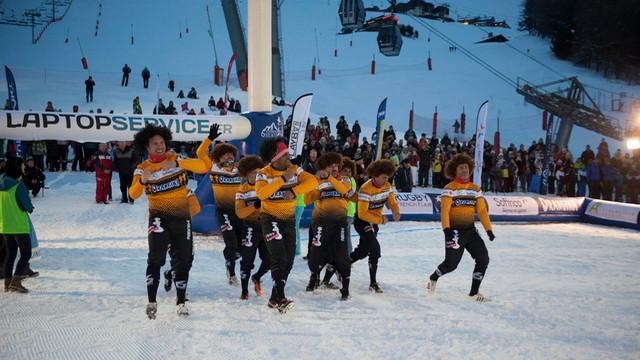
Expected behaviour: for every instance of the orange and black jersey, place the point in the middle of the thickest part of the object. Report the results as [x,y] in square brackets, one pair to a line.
[271,189]
[166,190]
[225,181]
[371,200]
[459,204]
[331,197]
[245,203]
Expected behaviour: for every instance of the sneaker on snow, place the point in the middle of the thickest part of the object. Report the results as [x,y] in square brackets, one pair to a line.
[257,286]
[375,288]
[479,298]
[431,287]
[152,309]
[345,295]
[167,280]
[244,296]
[330,285]
[285,305]
[314,283]
[232,279]
[182,309]
[272,304]
[29,273]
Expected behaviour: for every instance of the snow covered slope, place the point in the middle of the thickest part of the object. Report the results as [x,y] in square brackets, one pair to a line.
[557,294]
[51,70]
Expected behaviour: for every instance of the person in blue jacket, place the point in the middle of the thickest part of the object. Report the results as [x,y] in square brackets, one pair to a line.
[594,178]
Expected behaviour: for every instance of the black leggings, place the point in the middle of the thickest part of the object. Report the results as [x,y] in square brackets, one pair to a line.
[230,227]
[280,237]
[329,246]
[253,242]
[470,240]
[14,242]
[172,234]
[368,246]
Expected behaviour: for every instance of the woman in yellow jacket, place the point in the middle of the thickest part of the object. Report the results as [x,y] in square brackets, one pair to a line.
[461,200]
[372,197]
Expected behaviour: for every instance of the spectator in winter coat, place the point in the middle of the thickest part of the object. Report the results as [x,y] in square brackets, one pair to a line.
[211,103]
[309,165]
[8,105]
[192,94]
[137,109]
[102,164]
[146,74]
[14,226]
[88,85]
[632,180]
[356,130]
[581,172]
[171,110]
[220,104]
[609,174]
[403,177]
[126,70]
[49,107]
[180,94]
[125,162]
[38,151]
[33,177]
[237,108]
[603,150]
[594,177]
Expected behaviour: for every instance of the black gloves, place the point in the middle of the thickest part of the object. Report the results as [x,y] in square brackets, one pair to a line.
[448,234]
[491,236]
[256,204]
[297,160]
[214,132]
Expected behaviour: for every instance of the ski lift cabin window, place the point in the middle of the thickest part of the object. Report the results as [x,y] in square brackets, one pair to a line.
[390,40]
[352,14]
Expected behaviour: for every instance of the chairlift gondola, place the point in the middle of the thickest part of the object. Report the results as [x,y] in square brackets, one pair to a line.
[352,14]
[390,40]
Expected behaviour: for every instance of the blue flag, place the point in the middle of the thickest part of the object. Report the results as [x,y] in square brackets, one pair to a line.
[11,85]
[382,113]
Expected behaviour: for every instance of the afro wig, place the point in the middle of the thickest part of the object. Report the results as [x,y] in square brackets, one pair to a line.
[349,164]
[457,160]
[381,167]
[221,149]
[328,159]
[249,163]
[142,137]
[269,148]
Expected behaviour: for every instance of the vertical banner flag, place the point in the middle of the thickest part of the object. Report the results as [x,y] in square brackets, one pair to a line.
[481,130]
[301,109]
[13,96]
[382,113]
[547,159]
[226,88]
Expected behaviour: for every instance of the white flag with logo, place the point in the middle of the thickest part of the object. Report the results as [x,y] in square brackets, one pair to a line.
[481,130]
[301,109]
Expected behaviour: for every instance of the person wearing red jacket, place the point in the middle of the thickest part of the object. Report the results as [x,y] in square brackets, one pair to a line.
[103,164]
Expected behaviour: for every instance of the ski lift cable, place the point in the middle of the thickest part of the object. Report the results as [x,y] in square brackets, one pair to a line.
[467,52]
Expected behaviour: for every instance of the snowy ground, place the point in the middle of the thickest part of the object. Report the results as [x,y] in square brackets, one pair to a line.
[560,291]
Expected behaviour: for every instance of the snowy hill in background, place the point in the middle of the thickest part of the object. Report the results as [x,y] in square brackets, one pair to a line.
[51,69]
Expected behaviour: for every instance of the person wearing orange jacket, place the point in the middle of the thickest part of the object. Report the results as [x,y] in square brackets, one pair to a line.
[372,197]
[277,186]
[252,241]
[225,183]
[461,200]
[329,227]
[163,178]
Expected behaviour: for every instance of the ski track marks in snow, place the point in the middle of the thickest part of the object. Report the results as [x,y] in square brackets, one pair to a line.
[558,290]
